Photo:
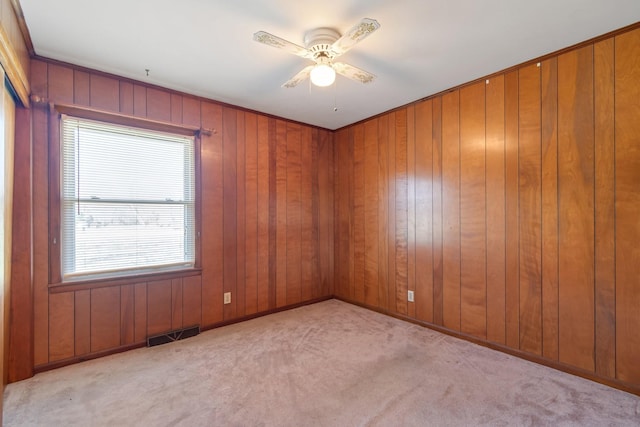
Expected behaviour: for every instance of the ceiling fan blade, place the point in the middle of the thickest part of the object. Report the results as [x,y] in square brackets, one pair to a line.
[298,78]
[275,41]
[353,73]
[357,33]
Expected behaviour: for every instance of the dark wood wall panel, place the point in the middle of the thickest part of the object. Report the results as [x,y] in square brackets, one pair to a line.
[627,205]
[495,200]
[510,206]
[236,236]
[576,208]
[473,223]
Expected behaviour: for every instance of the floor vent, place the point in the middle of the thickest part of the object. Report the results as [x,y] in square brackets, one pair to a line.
[176,335]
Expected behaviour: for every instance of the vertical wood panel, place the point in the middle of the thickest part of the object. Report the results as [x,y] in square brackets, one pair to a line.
[605,267]
[308,200]
[263,213]
[496,222]
[391,240]
[191,301]
[281,213]
[549,83]
[451,210]
[127,313]
[105,318]
[139,101]
[212,212]
[126,98]
[60,83]
[383,212]
[341,240]
[140,312]
[401,215]
[61,326]
[81,88]
[105,93]
[438,224]
[371,188]
[358,227]
[251,214]
[424,211]
[158,307]
[512,267]
[193,115]
[473,226]
[82,322]
[627,204]
[411,208]
[325,208]
[293,213]
[176,303]
[530,205]
[575,207]
[176,108]
[158,105]
[229,207]
[241,217]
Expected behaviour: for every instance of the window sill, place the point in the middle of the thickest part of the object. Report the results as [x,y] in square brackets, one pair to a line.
[79,285]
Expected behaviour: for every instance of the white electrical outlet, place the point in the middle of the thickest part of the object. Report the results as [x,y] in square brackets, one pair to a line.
[410,296]
[227,297]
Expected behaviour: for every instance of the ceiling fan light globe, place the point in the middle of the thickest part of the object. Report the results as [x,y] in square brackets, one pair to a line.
[323,75]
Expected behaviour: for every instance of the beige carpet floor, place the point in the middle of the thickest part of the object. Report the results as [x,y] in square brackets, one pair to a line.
[327,364]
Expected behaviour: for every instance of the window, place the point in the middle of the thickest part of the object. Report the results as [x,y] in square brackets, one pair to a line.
[127,200]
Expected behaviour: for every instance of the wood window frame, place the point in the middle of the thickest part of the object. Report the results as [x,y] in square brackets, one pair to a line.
[56,111]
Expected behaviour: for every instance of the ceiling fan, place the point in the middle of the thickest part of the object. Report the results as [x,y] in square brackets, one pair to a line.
[323,45]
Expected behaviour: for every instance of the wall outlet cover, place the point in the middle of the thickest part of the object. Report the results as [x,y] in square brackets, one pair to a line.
[227,297]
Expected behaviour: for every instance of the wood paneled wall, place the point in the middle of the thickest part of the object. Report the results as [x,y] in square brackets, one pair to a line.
[510,207]
[267,221]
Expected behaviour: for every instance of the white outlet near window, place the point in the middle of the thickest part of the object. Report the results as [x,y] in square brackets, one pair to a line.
[410,296]
[227,297]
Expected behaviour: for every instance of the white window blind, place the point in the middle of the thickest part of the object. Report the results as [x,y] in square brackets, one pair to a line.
[127,199]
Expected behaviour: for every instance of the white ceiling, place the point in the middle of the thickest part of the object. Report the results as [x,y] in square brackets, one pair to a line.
[205,47]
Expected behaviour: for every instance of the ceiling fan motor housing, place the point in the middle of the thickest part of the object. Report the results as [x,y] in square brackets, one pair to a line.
[319,42]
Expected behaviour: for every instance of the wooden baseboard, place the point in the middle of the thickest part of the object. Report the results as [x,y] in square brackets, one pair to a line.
[614,383]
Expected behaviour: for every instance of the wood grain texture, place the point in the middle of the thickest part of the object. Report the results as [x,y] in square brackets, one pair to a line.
[159,314]
[81,88]
[104,93]
[127,315]
[239,295]
[126,98]
[158,105]
[61,326]
[411,207]
[383,212]
[438,219]
[358,224]
[140,312]
[342,232]
[576,208]
[60,83]
[451,210]
[105,318]
[401,214]
[212,200]
[139,101]
[293,217]
[326,209]
[191,301]
[176,108]
[281,213]
[605,262]
[512,267]
[82,322]
[371,204]
[263,174]
[308,223]
[473,224]
[549,118]
[176,304]
[229,208]
[530,209]
[423,211]
[391,220]
[251,214]
[627,204]
[495,199]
